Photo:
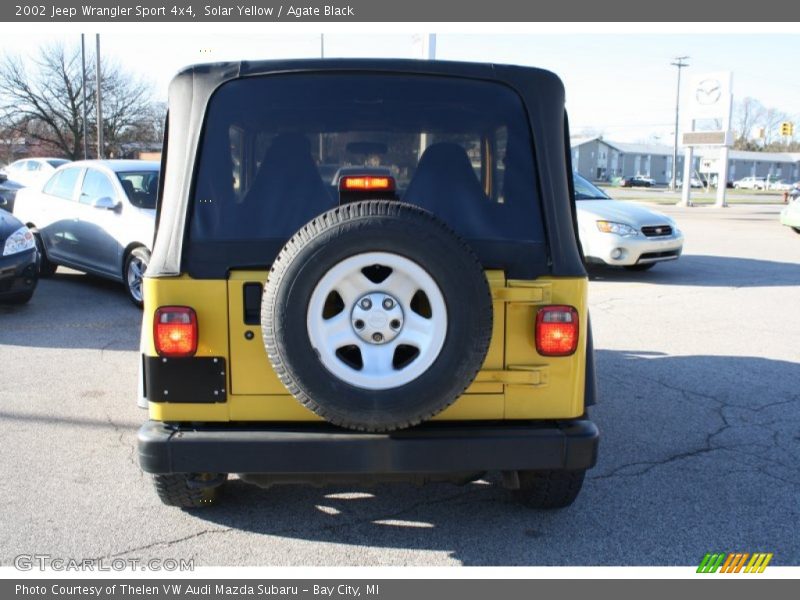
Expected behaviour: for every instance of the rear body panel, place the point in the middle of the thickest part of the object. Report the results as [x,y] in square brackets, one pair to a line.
[514,383]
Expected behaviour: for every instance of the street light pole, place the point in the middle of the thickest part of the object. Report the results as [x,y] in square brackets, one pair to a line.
[83,89]
[680,64]
[98,76]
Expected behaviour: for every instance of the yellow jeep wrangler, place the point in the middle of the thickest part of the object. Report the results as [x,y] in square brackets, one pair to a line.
[366,270]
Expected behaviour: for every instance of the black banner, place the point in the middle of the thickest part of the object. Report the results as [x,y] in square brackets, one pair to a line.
[394,589]
[461,11]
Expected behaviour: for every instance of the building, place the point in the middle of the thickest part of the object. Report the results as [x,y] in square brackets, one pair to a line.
[599,159]
[770,165]
[602,160]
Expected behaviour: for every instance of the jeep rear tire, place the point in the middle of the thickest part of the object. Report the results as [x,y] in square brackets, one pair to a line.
[548,489]
[376,316]
[188,490]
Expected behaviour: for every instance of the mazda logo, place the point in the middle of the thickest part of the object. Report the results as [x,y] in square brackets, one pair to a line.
[708,91]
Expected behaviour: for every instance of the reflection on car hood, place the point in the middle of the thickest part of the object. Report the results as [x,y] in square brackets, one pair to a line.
[8,225]
[620,211]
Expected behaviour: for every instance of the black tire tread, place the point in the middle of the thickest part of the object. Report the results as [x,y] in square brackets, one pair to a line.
[172,490]
[549,489]
[136,251]
[350,214]
[17,299]
[46,268]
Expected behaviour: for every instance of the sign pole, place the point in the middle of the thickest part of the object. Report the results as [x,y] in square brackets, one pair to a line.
[686,187]
[722,179]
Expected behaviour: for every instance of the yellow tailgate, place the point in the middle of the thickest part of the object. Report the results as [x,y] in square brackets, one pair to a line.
[514,383]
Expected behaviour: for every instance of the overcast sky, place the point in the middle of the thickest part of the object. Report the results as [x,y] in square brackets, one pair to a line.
[618,83]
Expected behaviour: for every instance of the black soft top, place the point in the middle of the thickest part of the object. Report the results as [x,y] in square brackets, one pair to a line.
[541,91]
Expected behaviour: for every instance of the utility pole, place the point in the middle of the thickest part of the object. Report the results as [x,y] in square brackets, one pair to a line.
[99,101]
[680,64]
[322,45]
[83,89]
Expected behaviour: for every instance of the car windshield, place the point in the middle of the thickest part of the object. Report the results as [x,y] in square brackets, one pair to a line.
[140,187]
[586,191]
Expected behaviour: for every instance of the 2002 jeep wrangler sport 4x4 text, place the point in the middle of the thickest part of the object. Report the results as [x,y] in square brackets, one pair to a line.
[366,270]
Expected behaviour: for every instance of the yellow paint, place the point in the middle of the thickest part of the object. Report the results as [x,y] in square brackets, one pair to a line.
[514,383]
[250,370]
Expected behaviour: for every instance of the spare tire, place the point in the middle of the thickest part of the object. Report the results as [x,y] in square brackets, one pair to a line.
[376,316]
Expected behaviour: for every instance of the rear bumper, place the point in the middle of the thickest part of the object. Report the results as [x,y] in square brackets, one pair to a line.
[320,448]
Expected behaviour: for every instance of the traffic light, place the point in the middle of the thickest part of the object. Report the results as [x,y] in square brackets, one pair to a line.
[787,129]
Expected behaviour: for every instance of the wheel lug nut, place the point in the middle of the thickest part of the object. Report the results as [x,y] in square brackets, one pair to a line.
[387,303]
[359,324]
[377,337]
[394,324]
[366,304]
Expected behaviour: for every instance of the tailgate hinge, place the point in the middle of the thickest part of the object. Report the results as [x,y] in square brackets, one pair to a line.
[515,375]
[539,294]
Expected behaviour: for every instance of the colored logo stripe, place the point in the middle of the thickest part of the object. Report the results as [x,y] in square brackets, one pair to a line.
[710,563]
[758,563]
[733,562]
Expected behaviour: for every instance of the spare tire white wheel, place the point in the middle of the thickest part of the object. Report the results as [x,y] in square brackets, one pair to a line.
[376,316]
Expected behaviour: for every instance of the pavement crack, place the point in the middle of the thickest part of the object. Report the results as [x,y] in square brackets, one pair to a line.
[129,446]
[165,543]
[649,465]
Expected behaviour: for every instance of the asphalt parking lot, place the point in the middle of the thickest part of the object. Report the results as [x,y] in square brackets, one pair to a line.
[699,368]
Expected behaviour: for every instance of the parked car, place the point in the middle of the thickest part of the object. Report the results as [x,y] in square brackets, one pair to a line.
[293,336]
[694,182]
[637,181]
[618,233]
[779,185]
[750,183]
[790,215]
[8,192]
[95,216]
[19,260]
[32,171]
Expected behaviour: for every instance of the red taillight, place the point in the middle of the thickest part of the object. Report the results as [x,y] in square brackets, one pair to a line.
[363,183]
[556,330]
[175,331]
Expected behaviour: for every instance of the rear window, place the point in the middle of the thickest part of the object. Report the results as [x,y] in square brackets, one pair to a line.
[274,148]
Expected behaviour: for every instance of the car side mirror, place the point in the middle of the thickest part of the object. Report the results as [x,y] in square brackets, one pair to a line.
[107,203]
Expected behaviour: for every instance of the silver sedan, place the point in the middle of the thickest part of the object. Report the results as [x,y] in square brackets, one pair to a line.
[623,234]
[96,216]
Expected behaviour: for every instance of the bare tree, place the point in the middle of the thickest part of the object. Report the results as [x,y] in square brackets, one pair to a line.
[771,122]
[129,113]
[46,102]
[746,113]
[45,97]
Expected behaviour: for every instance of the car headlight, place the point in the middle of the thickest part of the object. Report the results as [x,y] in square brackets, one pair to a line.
[19,241]
[618,228]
